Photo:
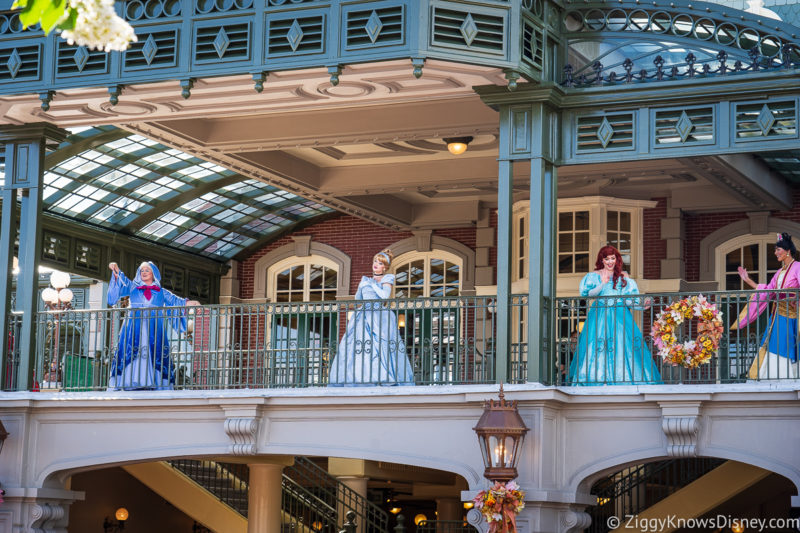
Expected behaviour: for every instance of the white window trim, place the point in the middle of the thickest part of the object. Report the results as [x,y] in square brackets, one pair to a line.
[434,254]
[520,210]
[738,242]
[307,261]
[568,284]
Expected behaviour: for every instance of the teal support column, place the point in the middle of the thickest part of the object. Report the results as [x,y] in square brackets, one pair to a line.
[8,233]
[24,173]
[542,271]
[505,189]
[505,199]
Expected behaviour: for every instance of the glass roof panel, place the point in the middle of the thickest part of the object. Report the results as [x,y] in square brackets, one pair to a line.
[129,177]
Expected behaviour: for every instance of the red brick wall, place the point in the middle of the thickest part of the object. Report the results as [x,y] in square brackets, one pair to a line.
[357,238]
[655,248]
[700,226]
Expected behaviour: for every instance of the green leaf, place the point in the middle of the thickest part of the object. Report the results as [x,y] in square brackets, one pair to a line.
[69,22]
[52,15]
[46,12]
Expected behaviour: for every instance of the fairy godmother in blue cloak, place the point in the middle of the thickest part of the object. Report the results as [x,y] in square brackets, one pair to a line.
[142,358]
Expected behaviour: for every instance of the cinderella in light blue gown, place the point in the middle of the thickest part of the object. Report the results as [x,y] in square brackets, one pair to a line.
[141,360]
[611,348]
[371,351]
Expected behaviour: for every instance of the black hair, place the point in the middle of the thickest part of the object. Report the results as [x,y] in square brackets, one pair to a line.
[785,242]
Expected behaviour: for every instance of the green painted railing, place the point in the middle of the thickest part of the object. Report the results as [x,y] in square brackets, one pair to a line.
[597,340]
[441,341]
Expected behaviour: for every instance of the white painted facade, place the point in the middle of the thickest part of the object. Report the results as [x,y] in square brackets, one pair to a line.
[577,436]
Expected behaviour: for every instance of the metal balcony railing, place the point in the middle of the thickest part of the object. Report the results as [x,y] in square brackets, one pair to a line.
[441,341]
[607,340]
[586,341]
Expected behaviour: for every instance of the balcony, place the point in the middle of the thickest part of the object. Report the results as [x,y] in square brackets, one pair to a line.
[446,341]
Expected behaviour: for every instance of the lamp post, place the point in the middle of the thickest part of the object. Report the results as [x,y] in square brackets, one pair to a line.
[500,434]
[57,297]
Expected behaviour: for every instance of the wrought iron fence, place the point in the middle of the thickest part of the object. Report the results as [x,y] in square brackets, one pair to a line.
[226,481]
[302,507]
[608,340]
[10,367]
[585,341]
[789,57]
[336,496]
[631,491]
[404,341]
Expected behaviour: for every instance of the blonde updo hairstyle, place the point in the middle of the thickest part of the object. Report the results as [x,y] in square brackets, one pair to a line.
[385,256]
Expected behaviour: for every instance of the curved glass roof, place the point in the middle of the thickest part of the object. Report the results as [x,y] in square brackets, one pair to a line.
[125,182]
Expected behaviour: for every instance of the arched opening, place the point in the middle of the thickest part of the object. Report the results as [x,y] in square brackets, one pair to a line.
[315,493]
[711,494]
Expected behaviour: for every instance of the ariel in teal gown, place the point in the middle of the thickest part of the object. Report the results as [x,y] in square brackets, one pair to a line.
[611,348]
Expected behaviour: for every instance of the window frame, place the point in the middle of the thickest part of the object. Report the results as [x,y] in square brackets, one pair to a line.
[427,256]
[763,242]
[289,262]
[598,207]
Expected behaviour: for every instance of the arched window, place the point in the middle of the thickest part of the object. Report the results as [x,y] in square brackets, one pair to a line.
[301,342]
[303,279]
[427,274]
[754,252]
[431,333]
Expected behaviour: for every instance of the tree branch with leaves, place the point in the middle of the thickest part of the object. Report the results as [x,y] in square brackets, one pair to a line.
[90,23]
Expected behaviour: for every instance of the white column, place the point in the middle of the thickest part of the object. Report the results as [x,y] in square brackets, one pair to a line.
[264,499]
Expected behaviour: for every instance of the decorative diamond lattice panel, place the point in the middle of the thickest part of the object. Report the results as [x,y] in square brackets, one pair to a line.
[471,31]
[605,132]
[154,49]
[55,248]
[684,126]
[766,119]
[20,63]
[375,27]
[216,43]
[296,35]
[74,60]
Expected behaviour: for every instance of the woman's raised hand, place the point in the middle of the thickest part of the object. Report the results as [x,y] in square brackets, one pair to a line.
[115,269]
[743,274]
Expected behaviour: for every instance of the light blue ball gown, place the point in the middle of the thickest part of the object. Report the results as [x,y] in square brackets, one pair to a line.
[371,351]
[142,360]
[611,348]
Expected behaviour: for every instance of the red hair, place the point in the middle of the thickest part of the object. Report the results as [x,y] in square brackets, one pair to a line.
[604,252]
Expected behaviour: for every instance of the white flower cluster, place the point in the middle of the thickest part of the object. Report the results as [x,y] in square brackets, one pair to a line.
[98,26]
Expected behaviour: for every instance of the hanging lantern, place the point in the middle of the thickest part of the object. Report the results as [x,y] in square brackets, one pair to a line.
[500,434]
